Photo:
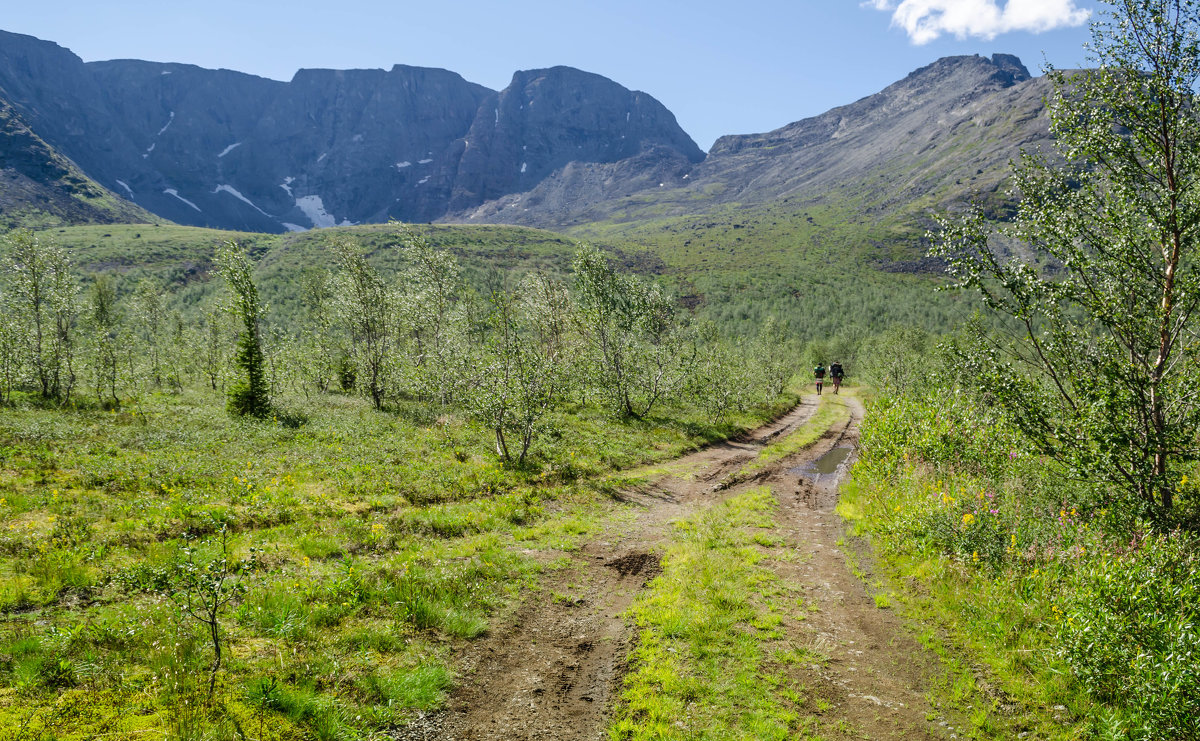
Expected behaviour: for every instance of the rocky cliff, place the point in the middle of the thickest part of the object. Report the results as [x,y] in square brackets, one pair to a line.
[224,149]
[41,187]
[944,133]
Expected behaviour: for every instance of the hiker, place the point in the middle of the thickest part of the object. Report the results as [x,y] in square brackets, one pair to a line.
[836,373]
[819,373]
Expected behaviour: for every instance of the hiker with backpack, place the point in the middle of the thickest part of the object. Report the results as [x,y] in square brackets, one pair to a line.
[836,373]
[819,374]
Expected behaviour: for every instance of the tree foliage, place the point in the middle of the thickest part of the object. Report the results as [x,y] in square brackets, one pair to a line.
[520,375]
[629,328]
[366,305]
[104,323]
[423,338]
[44,295]
[1098,270]
[249,395]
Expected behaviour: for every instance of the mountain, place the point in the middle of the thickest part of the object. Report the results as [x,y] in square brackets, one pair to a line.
[41,187]
[944,133]
[225,149]
[557,148]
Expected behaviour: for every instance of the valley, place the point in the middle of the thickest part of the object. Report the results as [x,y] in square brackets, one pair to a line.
[379,404]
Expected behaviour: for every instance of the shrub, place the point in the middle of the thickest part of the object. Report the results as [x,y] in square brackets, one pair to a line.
[1132,636]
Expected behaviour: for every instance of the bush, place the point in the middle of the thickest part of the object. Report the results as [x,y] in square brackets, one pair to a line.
[1132,637]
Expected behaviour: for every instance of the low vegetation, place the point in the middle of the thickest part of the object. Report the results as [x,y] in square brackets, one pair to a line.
[1041,494]
[291,540]
[706,627]
[167,566]
[1072,601]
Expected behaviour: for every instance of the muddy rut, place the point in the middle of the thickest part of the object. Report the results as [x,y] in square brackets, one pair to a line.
[553,670]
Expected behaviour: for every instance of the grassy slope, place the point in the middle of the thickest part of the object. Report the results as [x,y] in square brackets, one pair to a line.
[824,269]
[379,542]
[823,276]
[181,256]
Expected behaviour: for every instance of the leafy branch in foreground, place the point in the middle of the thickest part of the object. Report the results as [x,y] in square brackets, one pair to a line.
[1102,373]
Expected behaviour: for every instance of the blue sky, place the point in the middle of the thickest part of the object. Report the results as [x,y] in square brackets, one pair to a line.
[733,67]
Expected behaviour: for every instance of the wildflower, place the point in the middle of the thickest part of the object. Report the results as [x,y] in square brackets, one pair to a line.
[1183,481]
[975,557]
[968,518]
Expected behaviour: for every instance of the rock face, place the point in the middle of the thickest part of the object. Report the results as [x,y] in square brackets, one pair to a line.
[907,122]
[224,149]
[556,147]
[946,131]
[546,119]
[39,186]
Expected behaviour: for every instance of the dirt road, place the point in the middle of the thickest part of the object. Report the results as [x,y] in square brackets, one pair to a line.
[553,670]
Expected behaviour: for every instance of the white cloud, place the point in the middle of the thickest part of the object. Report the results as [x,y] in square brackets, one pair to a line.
[926,20]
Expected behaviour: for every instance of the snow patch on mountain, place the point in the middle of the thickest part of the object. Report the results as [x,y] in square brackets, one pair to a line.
[175,194]
[314,209]
[234,192]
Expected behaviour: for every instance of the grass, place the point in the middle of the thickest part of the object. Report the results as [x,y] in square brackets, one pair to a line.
[376,545]
[824,269]
[993,632]
[828,267]
[701,667]
[180,257]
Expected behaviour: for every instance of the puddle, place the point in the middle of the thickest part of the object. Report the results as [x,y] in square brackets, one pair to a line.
[826,465]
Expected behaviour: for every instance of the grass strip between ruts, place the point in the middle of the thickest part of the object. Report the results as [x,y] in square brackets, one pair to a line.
[701,666]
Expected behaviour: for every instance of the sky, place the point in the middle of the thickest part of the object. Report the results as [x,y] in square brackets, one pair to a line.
[733,67]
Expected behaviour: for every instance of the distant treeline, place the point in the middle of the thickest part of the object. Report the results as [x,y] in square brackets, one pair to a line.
[424,334]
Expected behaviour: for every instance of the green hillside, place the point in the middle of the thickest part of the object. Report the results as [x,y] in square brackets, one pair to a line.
[824,269]
[181,257]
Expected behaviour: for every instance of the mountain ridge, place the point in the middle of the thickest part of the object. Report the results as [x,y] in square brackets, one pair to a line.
[556,148]
[942,134]
[225,149]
